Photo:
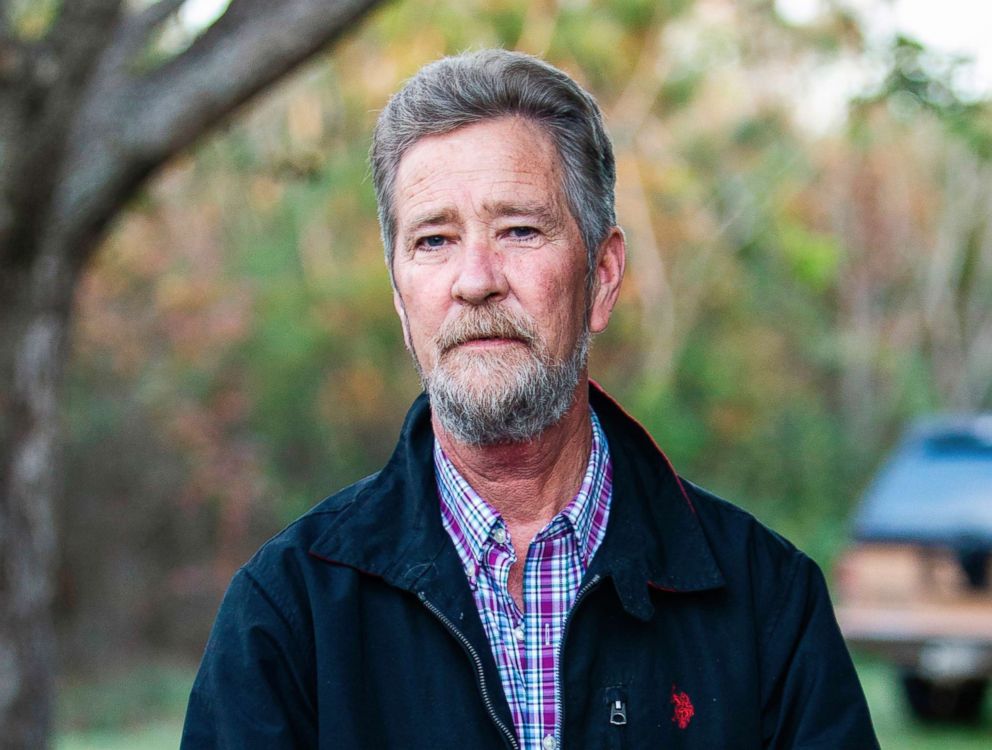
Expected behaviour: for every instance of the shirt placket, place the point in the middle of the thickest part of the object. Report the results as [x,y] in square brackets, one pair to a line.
[498,558]
[551,569]
[526,644]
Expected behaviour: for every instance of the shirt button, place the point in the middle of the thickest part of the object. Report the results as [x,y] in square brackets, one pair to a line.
[518,633]
[548,743]
[499,535]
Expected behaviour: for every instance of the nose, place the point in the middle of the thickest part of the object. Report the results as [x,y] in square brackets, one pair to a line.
[480,278]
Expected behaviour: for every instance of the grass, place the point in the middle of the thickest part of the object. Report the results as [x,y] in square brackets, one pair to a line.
[140,709]
[898,730]
[143,708]
[161,735]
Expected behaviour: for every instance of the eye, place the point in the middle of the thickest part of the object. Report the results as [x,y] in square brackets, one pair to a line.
[522,233]
[430,242]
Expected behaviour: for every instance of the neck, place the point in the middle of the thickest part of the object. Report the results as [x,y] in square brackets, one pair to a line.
[528,483]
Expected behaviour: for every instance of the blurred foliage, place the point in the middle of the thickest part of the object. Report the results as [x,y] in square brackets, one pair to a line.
[919,80]
[30,19]
[794,295]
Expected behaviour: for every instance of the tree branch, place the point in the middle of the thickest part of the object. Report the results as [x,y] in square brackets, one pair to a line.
[137,30]
[81,31]
[130,124]
[47,80]
[253,44]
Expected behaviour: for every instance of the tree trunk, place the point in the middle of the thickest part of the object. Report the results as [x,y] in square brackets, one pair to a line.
[33,327]
[82,125]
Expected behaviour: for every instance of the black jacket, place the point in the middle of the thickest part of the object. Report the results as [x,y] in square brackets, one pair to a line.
[355,627]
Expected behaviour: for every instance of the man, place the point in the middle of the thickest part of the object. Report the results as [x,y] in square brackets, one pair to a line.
[527,571]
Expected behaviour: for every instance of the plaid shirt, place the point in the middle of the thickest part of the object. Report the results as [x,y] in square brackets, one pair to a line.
[526,644]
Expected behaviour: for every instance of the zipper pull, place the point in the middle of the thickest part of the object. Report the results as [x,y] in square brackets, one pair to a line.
[618,713]
[618,706]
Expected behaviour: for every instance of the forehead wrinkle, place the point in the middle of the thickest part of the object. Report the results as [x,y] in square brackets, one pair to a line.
[546,211]
[420,181]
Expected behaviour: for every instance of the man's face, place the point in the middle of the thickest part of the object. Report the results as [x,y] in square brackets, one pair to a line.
[490,272]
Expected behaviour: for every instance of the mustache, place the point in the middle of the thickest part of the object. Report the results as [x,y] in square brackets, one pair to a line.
[489,322]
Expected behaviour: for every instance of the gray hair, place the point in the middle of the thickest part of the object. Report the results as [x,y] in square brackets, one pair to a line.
[475,86]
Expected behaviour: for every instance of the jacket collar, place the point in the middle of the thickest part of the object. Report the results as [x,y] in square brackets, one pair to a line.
[392,527]
[653,538]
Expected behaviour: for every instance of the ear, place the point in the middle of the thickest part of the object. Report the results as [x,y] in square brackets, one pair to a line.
[404,323]
[611,260]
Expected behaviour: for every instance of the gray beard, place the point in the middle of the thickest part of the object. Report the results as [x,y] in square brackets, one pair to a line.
[490,400]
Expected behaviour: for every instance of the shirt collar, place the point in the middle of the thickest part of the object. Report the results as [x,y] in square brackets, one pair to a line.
[468,519]
[388,524]
[471,521]
[588,511]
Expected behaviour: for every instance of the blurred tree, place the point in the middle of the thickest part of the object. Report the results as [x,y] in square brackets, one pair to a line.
[94,96]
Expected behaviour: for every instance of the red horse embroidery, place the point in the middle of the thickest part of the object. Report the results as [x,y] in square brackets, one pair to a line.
[684,710]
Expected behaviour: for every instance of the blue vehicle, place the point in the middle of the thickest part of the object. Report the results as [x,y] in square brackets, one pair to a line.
[915,586]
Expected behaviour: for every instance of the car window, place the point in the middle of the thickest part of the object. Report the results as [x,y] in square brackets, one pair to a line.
[937,488]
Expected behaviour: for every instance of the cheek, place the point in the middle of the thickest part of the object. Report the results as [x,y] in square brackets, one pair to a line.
[418,323]
[560,303]
[424,318]
[566,291]
[422,294]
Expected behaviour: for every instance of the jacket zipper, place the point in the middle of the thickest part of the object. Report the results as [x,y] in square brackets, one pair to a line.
[561,651]
[618,706]
[480,673]
[618,716]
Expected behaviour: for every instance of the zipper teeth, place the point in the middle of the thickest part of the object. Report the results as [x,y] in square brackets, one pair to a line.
[480,672]
[561,651]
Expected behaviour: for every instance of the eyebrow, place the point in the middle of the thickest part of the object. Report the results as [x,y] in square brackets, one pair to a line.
[545,213]
[443,216]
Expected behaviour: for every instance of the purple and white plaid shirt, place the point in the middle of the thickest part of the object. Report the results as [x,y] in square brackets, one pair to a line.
[526,644]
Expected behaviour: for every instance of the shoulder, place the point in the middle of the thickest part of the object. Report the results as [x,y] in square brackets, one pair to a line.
[734,532]
[300,535]
[808,688]
[281,567]
[764,572]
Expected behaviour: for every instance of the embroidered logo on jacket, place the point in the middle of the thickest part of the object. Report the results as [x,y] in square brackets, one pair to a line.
[684,710]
